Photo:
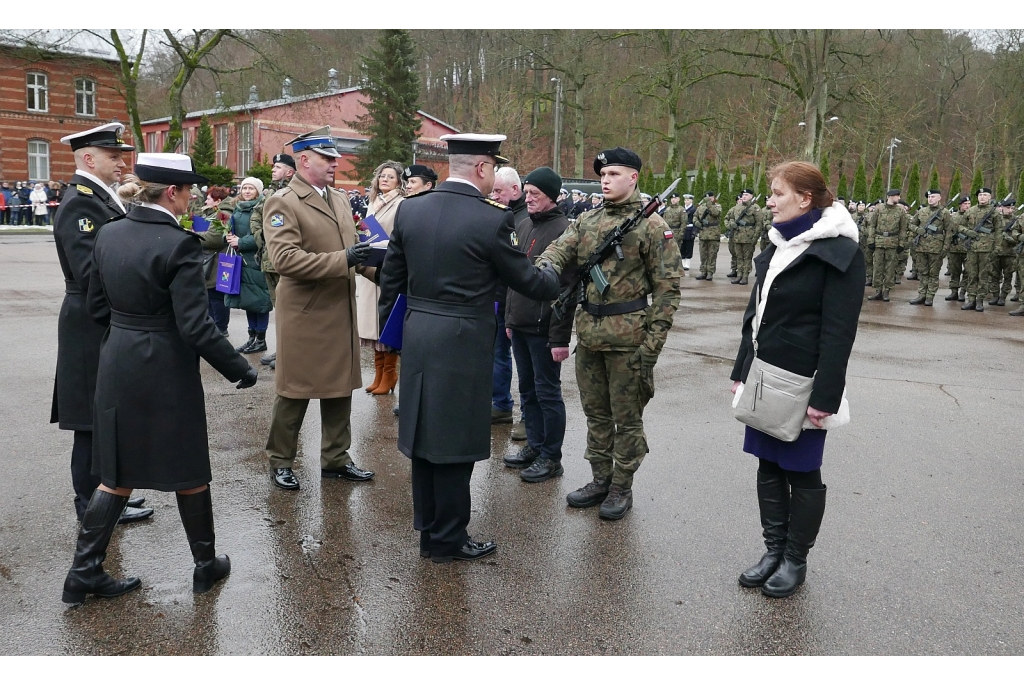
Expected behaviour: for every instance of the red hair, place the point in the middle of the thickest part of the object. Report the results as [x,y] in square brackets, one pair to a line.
[218,193]
[804,177]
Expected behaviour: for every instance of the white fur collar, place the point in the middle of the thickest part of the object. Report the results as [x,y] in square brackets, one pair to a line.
[834,221]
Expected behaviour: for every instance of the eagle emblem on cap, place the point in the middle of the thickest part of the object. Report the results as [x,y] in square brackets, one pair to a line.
[601,158]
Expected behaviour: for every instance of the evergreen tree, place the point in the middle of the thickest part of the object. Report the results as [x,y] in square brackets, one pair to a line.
[842,190]
[263,170]
[824,169]
[877,189]
[390,81]
[762,187]
[933,182]
[897,178]
[1002,188]
[914,184]
[737,182]
[860,183]
[1020,192]
[977,182]
[711,180]
[699,184]
[955,184]
[203,151]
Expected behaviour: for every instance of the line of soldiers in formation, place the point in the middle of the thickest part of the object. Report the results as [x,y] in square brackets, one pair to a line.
[982,243]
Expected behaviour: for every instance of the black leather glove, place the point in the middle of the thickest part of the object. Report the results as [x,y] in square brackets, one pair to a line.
[900,250]
[358,253]
[871,247]
[249,379]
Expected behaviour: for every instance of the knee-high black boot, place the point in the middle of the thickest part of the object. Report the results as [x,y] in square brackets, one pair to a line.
[197,517]
[87,576]
[806,509]
[773,501]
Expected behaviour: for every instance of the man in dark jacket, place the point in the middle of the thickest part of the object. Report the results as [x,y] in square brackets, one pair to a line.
[540,343]
[89,203]
[449,250]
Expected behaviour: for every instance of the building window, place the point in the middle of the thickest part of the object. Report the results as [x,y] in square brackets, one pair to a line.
[36,91]
[244,131]
[186,141]
[38,160]
[85,97]
[220,135]
[151,142]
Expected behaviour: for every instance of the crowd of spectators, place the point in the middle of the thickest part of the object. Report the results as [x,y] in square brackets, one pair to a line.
[23,203]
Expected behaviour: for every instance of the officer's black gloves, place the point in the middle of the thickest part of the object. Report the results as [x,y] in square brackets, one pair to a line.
[358,253]
[249,379]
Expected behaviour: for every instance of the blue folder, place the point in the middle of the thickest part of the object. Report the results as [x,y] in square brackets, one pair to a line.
[371,231]
[199,224]
[392,333]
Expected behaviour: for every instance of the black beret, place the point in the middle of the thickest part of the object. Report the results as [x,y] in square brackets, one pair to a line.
[1007,203]
[746,191]
[934,191]
[673,195]
[983,189]
[546,180]
[893,192]
[421,171]
[618,156]
[965,198]
[710,193]
[287,160]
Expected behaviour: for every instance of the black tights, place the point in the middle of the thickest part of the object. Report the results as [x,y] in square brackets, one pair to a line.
[805,480]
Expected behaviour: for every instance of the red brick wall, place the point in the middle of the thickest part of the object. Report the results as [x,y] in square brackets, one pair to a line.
[18,125]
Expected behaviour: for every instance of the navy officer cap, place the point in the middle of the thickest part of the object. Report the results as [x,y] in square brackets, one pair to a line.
[618,156]
[282,158]
[475,144]
[105,135]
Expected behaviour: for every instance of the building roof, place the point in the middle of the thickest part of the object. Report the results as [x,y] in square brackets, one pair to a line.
[267,104]
[64,42]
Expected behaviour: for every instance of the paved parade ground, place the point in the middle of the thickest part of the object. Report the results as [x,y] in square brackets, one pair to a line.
[919,552]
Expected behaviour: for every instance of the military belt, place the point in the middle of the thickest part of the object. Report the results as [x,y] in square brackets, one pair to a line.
[616,308]
[72,288]
[461,310]
[709,225]
[142,322]
[887,234]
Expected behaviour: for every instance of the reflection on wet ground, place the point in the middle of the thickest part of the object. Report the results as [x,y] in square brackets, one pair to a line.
[918,553]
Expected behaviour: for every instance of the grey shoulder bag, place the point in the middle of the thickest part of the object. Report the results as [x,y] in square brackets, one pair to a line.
[774,400]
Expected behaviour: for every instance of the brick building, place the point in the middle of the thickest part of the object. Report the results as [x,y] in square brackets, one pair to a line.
[244,134]
[45,95]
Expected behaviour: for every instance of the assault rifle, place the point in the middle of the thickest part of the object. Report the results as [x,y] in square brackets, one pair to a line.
[753,203]
[980,226]
[590,271]
[931,220]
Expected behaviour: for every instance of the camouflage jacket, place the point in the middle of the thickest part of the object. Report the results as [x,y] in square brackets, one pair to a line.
[863,219]
[706,220]
[957,243]
[981,241]
[932,238]
[888,228]
[674,216]
[1006,241]
[765,222]
[652,266]
[256,227]
[744,220]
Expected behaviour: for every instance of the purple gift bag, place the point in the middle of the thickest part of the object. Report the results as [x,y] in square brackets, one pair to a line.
[229,272]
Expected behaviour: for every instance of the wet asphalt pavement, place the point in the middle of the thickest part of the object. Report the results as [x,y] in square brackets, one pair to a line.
[918,553]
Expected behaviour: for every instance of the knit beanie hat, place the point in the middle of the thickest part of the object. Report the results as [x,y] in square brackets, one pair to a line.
[545,179]
[254,182]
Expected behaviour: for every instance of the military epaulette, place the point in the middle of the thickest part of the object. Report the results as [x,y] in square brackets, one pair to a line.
[493,203]
[84,190]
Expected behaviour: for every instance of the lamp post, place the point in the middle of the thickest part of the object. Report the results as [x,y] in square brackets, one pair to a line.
[893,144]
[557,163]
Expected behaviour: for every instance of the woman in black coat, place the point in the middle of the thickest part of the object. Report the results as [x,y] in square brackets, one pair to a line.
[149,413]
[805,305]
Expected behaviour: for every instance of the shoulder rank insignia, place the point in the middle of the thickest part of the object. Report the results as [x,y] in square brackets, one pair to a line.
[493,203]
[277,220]
[514,239]
[86,225]
[84,190]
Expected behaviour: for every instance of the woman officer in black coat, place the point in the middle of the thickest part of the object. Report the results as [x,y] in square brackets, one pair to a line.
[149,412]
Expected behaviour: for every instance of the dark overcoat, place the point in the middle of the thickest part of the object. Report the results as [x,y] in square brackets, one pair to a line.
[150,413]
[810,321]
[86,207]
[449,250]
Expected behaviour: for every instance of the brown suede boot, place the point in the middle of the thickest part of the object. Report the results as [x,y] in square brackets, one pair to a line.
[389,375]
[378,363]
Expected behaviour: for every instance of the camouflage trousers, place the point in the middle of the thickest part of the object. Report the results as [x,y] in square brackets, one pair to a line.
[609,388]
[928,266]
[978,273]
[733,255]
[869,259]
[708,256]
[884,277]
[744,259]
[957,263]
[1001,274]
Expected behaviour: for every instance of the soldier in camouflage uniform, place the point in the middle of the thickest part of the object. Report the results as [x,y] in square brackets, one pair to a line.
[281,175]
[744,222]
[956,255]
[619,334]
[888,238]
[705,222]
[982,225]
[862,217]
[731,237]
[1017,238]
[933,228]
[765,225]
[1004,261]
[675,217]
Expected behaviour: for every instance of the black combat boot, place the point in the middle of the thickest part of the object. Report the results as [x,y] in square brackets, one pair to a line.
[699,278]
[994,301]
[1019,311]
[877,295]
[709,277]
[963,294]
[247,343]
[806,509]
[617,503]
[928,301]
[1001,302]
[773,501]
[259,344]
[885,296]
[968,305]
[731,274]
[87,576]
[918,300]
[197,517]
[735,281]
[979,306]
[953,295]
[521,459]
[591,494]
[744,281]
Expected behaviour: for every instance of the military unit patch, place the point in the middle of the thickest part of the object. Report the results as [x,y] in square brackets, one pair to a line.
[86,225]
[84,190]
[514,239]
[668,234]
[277,220]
